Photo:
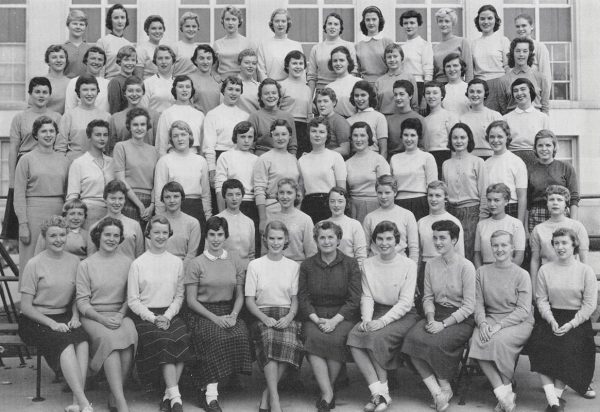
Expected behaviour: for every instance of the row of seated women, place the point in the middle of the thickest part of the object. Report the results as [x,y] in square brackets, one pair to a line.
[108,310]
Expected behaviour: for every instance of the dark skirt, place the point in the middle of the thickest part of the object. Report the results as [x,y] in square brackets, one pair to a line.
[219,352]
[440,157]
[443,350]
[157,346]
[10,224]
[130,210]
[417,205]
[384,344]
[569,358]
[469,217]
[303,139]
[194,208]
[328,345]
[280,345]
[316,205]
[50,343]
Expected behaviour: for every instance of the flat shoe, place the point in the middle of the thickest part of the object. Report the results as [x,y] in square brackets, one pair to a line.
[590,393]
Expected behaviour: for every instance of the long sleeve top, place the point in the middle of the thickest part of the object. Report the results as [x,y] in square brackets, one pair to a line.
[236,164]
[192,116]
[391,283]
[119,133]
[272,282]
[342,87]
[186,237]
[261,121]
[320,171]
[228,50]
[478,121]
[102,283]
[524,125]
[155,281]
[138,162]
[406,223]
[418,59]
[506,101]
[571,286]
[158,93]
[485,229]
[318,58]
[428,250]
[300,227]
[543,175]
[413,171]
[330,285]
[218,129]
[72,101]
[438,125]
[504,294]
[269,169]
[271,55]
[464,177]
[490,59]
[370,57]
[21,126]
[451,284]
[208,91]
[241,234]
[132,245]
[541,237]
[353,242]
[384,87]
[87,178]
[363,171]
[458,45]
[506,168]
[111,45]
[72,136]
[394,123]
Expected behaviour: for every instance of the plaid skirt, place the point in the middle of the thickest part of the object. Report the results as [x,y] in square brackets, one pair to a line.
[469,217]
[280,345]
[219,352]
[537,214]
[131,211]
[512,209]
[50,343]
[157,346]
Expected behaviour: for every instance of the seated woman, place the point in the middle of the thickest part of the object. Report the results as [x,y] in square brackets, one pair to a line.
[328,299]
[561,347]
[102,302]
[435,344]
[214,284]
[387,312]
[271,296]
[504,318]
[155,295]
[50,319]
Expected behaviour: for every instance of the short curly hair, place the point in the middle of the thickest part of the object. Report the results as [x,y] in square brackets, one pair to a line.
[39,122]
[53,221]
[326,225]
[386,226]
[135,112]
[513,45]
[277,225]
[344,50]
[565,231]
[97,230]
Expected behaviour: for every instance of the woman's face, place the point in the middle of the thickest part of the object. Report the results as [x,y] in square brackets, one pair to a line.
[57,60]
[159,235]
[115,202]
[385,196]
[56,238]
[339,62]
[436,198]
[410,138]
[232,94]
[172,201]
[522,95]
[327,241]
[544,148]
[128,64]
[189,29]
[215,239]
[556,204]
[337,204]
[402,98]
[296,68]
[180,139]
[134,94]
[87,94]
[318,136]
[245,140]
[275,241]
[139,127]
[119,20]
[386,243]
[230,23]
[433,96]
[460,140]
[110,239]
[476,94]
[487,20]
[523,28]
[498,140]
[156,31]
[46,136]
[99,138]
[442,242]
[75,217]
[563,246]
[360,139]
[164,61]
[286,195]
[445,24]
[502,248]
[361,99]
[452,69]
[269,96]
[332,27]
[204,61]
[280,24]
[248,65]
[410,26]
[393,59]
[183,91]
[40,96]
[372,23]
[281,137]
[496,203]
[521,54]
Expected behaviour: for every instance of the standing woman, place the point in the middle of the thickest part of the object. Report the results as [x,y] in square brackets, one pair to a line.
[418,52]
[352,243]
[319,74]
[435,344]
[364,168]
[57,58]
[102,302]
[117,20]
[342,65]
[504,318]
[189,24]
[154,26]
[214,283]
[370,53]
[40,183]
[413,169]
[463,173]
[49,317]
[155,295]
[204,79]
[364,99]
[134,161]
[541,60]
[561,347]
[271,296]
[229,47]
[321,169]
[387,314]
[158,86]
[328,300]
[490,51]
[447,20]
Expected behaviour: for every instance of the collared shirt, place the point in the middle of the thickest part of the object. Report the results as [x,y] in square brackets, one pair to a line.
[87,178]
[212,258]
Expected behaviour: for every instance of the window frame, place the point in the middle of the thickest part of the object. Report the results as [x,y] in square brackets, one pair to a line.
[9,102]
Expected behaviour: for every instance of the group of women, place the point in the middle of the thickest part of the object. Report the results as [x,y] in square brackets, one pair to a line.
[312,194]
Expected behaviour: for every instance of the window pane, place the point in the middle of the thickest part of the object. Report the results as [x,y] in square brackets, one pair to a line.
[509,20]
[554,1]
[446,1]
[85,2]
[12,25]
[13,2]
[338,2]
[302,1]
[560,71]
[12,72]
[220,31]
[131,31]
[401,35]
[559,52]
[195,1]
[565,149]
[560,91]
[203,35]
[95,25]
[305,25]
[231,2]
[122,1]
[348,17]
[436,36]
[556,24]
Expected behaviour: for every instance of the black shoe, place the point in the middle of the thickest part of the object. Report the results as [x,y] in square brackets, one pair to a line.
[213,406]
[165,405]
[323,406]
[177,407]
[555,408]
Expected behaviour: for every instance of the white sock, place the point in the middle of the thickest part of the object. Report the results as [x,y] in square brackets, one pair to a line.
[432,384]
[558,392]
[211,392]
[501,392]
[508,388]
[445,385]
[550,394]
[174,395]
[374,388]
[166,396]
[385,391]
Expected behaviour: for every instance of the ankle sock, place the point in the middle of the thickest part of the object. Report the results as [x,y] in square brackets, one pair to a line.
[432,384]
[174,395]
[551,394]
[212,393]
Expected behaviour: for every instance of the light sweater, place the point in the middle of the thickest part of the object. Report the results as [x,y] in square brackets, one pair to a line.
[186,237]
[456,100]
[228,50]
[183,62]
[236,164]
[506,168]
[300,228]
[363,170]
[21,127]
[437,128]
[56,103]
[353,243]
[377,122]
[418,59]
[296,98]
[321,171]
[241,234]
[155,281]
[413,172]
[318,59]
[485,229]
[390,283]
[478,121]
[524,125]
[272,282]
[72,101]
[428,250]
[111,45]
[464,177]
[269,169]
[342,87]
[271,54]
[458,45]
[145,53]
[370,57]
[218,130]
[72,135]
[216,276]
[87,179]
[137,161]
[193,117]
[541,237]
[248,101]
[407,226]
[490,59]
[158,95]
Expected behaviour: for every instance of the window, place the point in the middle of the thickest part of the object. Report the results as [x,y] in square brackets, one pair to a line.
[12,50]
[567,151]
[96,12]
[4,148]
[209,13]
[429,30]
[553,25]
